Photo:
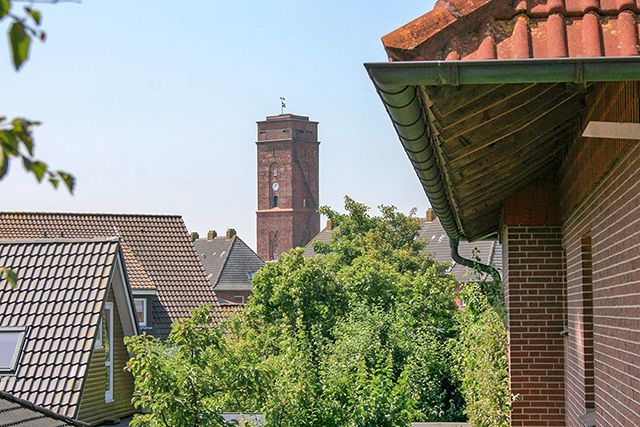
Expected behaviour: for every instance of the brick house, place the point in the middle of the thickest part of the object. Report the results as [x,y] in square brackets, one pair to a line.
[521,122]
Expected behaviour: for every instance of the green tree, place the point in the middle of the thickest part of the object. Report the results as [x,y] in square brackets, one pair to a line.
[480,353]
[357,336]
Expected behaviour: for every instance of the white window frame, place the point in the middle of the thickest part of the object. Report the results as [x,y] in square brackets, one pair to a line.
[21,331]
[99,343]
[235,299]
[108,312]
[144,321]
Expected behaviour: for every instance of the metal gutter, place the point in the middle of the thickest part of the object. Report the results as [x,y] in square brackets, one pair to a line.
[410,121]
[501,71]
[397,82]
[397,85]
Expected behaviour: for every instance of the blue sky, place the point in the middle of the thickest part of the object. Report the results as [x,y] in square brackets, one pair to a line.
[152,105]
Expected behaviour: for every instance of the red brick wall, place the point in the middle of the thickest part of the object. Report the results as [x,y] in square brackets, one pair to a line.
[611,216]
[600,192]
[534,291]
[289,144]
[231,295]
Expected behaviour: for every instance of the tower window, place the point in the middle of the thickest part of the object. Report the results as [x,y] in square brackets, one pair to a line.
[275,201]
[304,203]
[273,152]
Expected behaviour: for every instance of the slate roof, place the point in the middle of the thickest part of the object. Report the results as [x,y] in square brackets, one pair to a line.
[156,248]
[62,285]
[17,412]
[438,246]
[324,236]
[228,262]
[505,29]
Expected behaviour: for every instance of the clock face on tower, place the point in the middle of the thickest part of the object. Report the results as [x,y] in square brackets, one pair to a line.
[275,186]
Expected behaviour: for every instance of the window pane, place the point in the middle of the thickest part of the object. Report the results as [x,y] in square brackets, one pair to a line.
[9,342]
[107,337]
[140,310]
[100,332]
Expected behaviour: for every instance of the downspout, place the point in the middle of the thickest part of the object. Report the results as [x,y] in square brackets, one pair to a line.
[455,255]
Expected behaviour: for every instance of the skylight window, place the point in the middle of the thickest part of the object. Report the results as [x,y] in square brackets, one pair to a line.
[11,340]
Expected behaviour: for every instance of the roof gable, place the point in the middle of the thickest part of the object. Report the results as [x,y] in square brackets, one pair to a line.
[241,262]
[156,250]
[228,262]
[62,285]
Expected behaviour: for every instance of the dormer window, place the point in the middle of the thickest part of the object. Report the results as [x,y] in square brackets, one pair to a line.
[11,340]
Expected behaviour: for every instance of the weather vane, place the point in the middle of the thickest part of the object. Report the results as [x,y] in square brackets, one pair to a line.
[282,105]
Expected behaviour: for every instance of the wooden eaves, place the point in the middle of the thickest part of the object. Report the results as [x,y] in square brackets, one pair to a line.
[475,131]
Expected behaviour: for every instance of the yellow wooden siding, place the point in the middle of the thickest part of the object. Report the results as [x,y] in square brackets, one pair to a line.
[93,408]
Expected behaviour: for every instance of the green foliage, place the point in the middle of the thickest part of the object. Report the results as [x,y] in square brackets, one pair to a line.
[365,334]
[180,382]
[9,275]
[16,135]
[22,30]
[481,356]
[16,141]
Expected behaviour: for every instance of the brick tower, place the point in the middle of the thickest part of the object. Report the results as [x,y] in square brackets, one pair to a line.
[288,187]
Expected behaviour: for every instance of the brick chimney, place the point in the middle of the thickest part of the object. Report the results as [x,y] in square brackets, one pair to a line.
[212,234]
[231,232]
[431,215]
[329,224]
[193,236]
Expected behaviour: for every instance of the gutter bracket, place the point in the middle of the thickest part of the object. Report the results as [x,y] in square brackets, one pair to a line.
[578,71]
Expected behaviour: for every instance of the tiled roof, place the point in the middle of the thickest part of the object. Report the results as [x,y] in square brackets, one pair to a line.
[62,285]
[501,29]
[156,249]
[228,262]
[227,310]
[438,246]
[16,412]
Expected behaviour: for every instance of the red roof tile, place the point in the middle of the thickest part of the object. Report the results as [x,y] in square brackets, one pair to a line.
[499,29]
[227,310]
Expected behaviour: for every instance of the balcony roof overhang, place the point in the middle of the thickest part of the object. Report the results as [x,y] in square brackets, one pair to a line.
[475,131]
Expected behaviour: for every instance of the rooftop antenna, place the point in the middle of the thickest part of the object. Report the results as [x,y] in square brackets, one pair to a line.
[282,105]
